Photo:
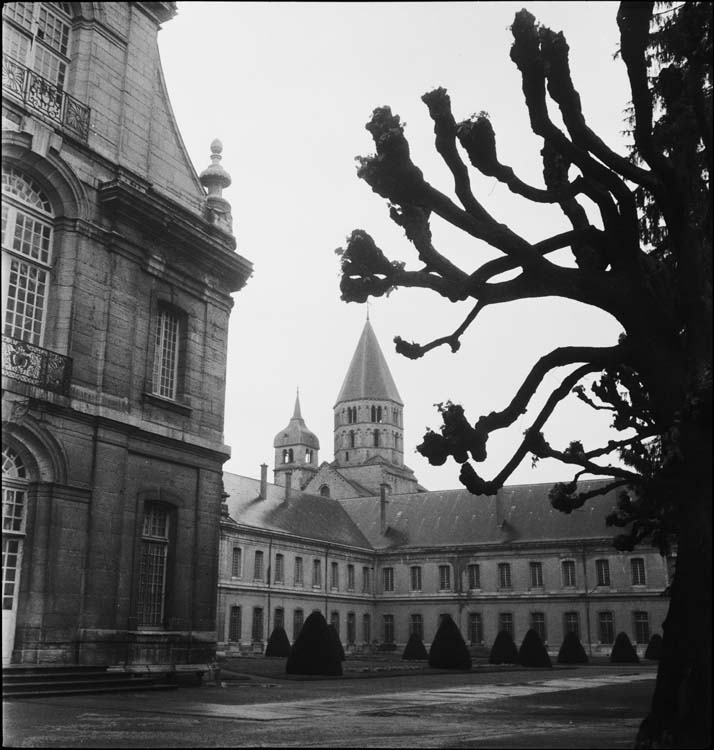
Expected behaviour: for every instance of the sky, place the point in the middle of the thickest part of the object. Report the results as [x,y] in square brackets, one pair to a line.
[288,88]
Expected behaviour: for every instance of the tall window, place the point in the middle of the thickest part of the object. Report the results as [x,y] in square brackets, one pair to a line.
[568,568]
[234,625]
[279,568]
[308,455]
[298,619]
[504,575]
[14,497]
[334,576]
[388,628]
[444,577]
[258,566]
[536,570]
[388,579]
[602,571]
[352,438]
[416,626]
[279,618]
[27,218]
[505,622]
[538,624]
[474,576]
[351,627]
[316,573]
[257,630]
[153,559]
[350,577]
[166,354]
[642,627]
[288,455]
[377,414]
[366,628]
[415,576]
[366,581]
[571,623]
[475,627]
[375,438]
[335,621]
[606,627]
[299,579]
[237,563]
[637,566]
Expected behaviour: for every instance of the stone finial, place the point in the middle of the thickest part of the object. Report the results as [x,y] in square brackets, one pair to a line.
[214,178]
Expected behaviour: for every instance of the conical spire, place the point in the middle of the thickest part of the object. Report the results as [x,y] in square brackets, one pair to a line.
[296,410]
[368,375]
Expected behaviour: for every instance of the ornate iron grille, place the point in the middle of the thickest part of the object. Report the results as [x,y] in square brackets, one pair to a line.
[33,364]
[43,96]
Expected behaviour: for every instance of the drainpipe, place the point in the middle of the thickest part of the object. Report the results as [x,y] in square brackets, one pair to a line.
[327,549]
[587,602]
[270,566]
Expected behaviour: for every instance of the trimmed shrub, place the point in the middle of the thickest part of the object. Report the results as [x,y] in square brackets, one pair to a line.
[654,648]
[504,650]
[336,641]
[278,643]
[314,651]
[623,652]
[448,649]
[415,649]
[532,652]
[572,651]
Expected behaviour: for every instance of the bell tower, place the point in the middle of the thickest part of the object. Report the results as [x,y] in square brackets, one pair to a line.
[296,451]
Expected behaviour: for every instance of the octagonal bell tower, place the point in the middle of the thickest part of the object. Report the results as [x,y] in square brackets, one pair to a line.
[296,451]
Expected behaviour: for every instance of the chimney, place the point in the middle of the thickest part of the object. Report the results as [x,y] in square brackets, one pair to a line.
[288,484]
[383,508]
[263,481]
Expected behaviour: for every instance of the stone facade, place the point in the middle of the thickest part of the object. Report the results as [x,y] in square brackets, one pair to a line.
[116,310]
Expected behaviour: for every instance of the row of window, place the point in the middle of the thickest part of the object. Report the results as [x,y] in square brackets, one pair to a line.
[289,456]
[298,572]
[373,439]
[568,575]
[376,414]
[571,624]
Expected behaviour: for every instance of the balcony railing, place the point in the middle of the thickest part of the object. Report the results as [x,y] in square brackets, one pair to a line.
[37,366]
[39,94]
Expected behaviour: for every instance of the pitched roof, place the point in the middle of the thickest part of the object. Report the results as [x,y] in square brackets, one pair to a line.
[304,515]
[368,375]
[519,513]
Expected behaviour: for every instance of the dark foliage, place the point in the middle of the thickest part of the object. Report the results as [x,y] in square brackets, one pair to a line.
[532,652]
[278,643]
[336,641]
[314,651]
[448,649]
[415,649]
[654,648]
[623,652]
[572,651]
[504,650]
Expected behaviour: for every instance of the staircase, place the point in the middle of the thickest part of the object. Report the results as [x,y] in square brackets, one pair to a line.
[22,681]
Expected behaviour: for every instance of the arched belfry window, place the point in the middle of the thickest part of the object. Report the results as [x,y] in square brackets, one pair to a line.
[376,438]
[308,455]
[288,456]
[27,224]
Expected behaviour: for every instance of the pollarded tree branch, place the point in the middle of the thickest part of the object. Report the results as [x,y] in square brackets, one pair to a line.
[563,497]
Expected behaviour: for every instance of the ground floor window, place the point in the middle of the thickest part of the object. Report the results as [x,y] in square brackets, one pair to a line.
[475,627]
[416,626]
[642,627]
[538,624]
[571,623]
[366,628]
[234,625]
[351,627]
[298,619]
[505,622]
[153,560]
[279,618]
[388,628]
[257,630]
[606,627]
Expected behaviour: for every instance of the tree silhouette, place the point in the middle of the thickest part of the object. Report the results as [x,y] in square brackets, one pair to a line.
[314,651]
[448,649]
[504,649]
[623,652]
[644,258]
[278,643]
[571,650]
[532,652]
[415,649]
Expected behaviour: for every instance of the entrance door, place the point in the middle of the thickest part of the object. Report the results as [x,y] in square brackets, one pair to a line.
[14,500]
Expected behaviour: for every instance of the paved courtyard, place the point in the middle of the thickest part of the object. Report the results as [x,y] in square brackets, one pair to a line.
[584,707]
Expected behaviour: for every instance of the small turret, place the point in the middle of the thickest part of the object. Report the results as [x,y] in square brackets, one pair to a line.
[296,451]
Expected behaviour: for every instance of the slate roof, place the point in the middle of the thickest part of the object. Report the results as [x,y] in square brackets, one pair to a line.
[304,515]
[519,513]
[368,375]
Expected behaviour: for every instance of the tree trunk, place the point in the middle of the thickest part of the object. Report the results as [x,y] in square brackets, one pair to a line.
[680,716]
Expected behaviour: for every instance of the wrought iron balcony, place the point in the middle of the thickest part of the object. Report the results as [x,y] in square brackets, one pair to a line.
[37,93]
[37,366]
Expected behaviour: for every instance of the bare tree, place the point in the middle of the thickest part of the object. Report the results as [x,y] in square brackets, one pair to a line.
[646,260]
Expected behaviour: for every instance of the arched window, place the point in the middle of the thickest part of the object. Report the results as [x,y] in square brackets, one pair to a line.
[352,438]
[376,438]
[153,564]
[325,491]
[308,455]
[27,224]
[287,455]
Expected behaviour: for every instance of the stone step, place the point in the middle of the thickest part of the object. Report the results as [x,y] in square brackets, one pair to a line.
[52,690]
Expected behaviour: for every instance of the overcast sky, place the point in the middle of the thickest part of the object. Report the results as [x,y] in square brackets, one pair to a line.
[288,88]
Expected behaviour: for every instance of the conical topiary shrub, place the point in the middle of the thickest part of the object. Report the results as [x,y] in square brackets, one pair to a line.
[314,651]
[532,652]
[571,650]
[337,642]
[278,643]
[448,649]
[623,652]
[654,647]
[504,650]
[415,649]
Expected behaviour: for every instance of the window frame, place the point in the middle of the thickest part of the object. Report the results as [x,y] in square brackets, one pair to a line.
[415,578]
[474,575]
[535,569]
[638,574]
[602,572]
[505,581]
[604,624]
[568,564]
[388,579]
[445,577]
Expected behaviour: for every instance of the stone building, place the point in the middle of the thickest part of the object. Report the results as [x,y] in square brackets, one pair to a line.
[360,540]
[118,267]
